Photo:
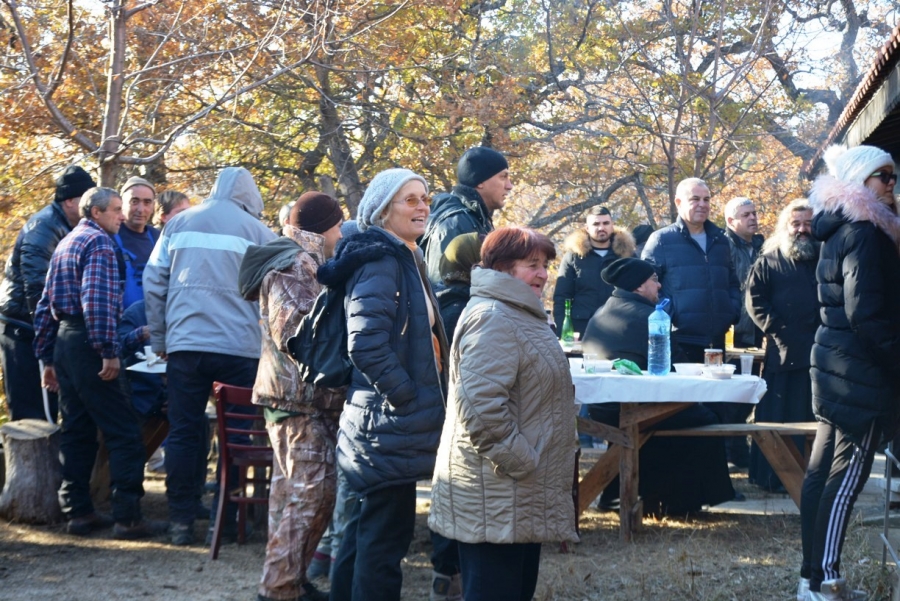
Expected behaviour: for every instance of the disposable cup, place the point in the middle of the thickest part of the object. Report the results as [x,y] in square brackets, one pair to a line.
[746,365]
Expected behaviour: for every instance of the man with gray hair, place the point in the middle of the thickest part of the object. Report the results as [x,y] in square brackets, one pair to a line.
[75,324]
[782,300]
[742,227]
[692,258]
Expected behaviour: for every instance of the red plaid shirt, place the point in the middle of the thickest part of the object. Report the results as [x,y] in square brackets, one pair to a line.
[83,280]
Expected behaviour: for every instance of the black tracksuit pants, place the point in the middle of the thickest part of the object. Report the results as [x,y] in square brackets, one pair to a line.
[838,470]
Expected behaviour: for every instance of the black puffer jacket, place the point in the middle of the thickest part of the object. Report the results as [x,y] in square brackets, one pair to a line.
[391,424]
[705,293]
[854,357]
[26,268]
[461,212]
[579,276]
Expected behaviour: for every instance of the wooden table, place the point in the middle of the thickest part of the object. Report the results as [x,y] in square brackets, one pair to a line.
[645,401]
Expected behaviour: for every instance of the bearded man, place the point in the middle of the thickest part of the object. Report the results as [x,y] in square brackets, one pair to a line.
[781,299]
[589,250]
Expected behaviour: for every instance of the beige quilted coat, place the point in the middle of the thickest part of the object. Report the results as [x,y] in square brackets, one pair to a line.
[507,455]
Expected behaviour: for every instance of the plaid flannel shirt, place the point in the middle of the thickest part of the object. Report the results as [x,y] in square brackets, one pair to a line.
[83,280]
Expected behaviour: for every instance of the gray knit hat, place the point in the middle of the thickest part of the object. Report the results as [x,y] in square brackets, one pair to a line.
[381,190]
[855,165]
[133,181]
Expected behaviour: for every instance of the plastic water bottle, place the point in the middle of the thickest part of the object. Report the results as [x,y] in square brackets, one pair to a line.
[659,352]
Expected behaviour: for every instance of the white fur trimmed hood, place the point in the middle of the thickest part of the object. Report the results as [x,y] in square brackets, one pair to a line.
[857,203]
[623,244]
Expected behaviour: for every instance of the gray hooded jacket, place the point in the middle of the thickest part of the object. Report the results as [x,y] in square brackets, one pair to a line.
[191,280]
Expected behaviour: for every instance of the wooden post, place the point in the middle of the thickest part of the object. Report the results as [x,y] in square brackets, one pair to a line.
[33,475]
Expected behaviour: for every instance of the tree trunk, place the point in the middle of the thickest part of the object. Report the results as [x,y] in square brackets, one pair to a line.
[115,83]
[33,472]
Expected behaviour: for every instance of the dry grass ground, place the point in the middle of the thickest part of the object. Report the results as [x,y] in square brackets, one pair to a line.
[715,557]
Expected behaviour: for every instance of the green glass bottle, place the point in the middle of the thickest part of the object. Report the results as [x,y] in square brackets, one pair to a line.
[568,332]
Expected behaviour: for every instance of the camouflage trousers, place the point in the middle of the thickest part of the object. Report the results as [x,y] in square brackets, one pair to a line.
[301,500]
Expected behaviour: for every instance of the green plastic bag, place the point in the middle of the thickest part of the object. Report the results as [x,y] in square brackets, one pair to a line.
[626,367]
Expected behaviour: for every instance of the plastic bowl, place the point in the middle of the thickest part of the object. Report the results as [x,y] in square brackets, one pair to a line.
[597,366]
[688,369]
[719,372]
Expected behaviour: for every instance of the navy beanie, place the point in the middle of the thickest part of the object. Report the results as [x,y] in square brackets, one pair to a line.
[74,182]
[478,164]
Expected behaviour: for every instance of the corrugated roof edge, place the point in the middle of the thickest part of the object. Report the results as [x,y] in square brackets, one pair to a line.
[885,59]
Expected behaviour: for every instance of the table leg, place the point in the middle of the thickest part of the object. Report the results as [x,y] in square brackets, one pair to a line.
[598,477]
[630,510]
[785,459]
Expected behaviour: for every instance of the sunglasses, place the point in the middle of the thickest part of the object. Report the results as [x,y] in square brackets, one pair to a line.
[885,177]
[413,201]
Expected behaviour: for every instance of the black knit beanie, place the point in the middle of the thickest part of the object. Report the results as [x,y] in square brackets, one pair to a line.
[478,164]
[74,182]
[315,212]
[627,274]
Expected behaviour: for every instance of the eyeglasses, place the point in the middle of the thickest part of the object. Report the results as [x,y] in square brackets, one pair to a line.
[885,177]
[413,201]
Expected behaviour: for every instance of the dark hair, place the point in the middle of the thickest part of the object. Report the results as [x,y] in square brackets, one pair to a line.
[170,199]
[597,210]
[506,245]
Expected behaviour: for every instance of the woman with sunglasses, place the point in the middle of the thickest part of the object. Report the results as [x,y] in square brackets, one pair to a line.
[391,424]
[855,383]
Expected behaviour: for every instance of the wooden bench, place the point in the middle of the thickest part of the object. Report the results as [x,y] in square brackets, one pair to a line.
[773,439]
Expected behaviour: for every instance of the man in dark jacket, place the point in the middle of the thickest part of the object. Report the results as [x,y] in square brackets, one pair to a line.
[742,225]
[483,183]
[678,475]
[781,299]
[693,261]
[588,251]
[23,283]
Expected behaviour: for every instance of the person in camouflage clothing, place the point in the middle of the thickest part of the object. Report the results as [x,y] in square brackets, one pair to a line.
[302,419]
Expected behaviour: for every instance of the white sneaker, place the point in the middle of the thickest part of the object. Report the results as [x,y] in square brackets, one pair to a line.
[803,589]
[837,590]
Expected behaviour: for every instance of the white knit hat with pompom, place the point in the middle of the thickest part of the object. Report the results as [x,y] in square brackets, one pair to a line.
[381,190]
[855,165]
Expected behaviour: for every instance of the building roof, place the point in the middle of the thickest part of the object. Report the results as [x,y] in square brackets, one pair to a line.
[862,115]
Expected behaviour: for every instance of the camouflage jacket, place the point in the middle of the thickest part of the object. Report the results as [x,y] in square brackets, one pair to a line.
[285,297]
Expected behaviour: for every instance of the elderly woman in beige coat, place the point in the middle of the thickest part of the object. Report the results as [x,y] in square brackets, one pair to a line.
[503,479]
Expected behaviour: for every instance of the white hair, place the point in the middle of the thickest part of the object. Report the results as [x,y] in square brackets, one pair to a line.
[732,206]
[685,186]
[779,238]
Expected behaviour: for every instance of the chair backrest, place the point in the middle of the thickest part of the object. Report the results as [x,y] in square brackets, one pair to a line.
[233,424]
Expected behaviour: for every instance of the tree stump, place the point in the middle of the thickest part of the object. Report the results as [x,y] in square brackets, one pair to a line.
[33,474]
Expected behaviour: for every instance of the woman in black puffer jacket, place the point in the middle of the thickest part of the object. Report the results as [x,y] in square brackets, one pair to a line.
[855,384]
